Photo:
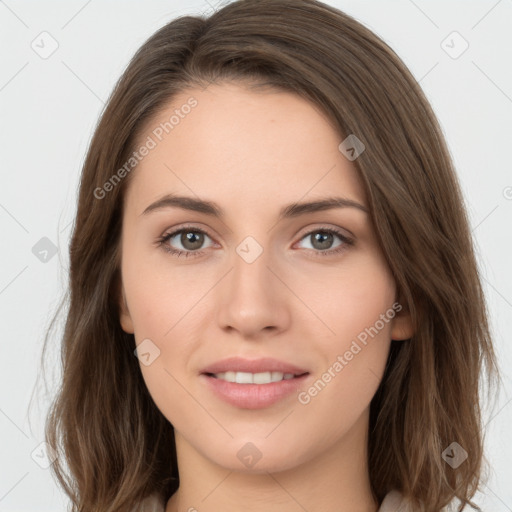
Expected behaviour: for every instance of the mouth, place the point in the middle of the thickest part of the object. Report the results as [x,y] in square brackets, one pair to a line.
[260,378]
[245,390]
[252,383]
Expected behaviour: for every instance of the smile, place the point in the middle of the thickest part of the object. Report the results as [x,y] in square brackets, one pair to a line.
[253,378]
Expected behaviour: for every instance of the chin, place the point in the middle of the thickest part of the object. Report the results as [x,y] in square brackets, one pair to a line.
[257,456]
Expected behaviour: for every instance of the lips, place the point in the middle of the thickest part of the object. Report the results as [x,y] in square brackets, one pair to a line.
[253,384]
[262,365]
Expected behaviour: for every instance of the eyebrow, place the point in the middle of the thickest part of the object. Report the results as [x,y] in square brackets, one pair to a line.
[287,212]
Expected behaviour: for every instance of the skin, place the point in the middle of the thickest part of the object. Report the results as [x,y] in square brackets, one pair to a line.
[252,153]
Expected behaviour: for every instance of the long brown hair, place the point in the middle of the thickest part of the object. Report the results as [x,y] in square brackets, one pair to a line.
[114,446]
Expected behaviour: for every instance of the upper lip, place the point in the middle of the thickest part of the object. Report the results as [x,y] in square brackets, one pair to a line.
[265,364]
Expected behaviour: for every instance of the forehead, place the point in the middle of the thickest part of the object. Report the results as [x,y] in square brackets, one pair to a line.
[242,146]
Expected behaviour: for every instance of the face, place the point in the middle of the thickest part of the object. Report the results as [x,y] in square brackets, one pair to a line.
[301,296]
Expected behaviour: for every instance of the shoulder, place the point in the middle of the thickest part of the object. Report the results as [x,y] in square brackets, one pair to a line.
[152,503]
[394,501]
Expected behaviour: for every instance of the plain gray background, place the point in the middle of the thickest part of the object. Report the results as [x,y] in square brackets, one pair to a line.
[49,105]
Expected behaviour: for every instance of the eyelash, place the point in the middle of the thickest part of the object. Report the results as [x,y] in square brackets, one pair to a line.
[177,252]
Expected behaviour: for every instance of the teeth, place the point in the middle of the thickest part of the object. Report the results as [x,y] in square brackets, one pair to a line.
[254,378]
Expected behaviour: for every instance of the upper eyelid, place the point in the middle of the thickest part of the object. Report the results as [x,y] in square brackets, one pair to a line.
[173,232]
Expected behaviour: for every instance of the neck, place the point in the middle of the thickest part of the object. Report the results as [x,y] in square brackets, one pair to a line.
[336,480]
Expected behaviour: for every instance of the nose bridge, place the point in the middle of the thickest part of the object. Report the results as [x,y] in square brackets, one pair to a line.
[251,298]
[250,266]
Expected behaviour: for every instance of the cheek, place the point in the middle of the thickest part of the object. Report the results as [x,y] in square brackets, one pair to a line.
[352,363]
[164,305]
[355,302]
[351,297]
[156,293]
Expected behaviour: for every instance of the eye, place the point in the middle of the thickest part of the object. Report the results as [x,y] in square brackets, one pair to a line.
[191,239]
[322,239]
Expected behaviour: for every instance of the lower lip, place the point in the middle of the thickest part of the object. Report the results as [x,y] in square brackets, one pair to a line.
[253,396]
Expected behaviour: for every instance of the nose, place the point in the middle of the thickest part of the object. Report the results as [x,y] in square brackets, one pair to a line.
[252,298]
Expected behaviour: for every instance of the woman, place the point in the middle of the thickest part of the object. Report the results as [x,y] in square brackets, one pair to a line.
[275,303]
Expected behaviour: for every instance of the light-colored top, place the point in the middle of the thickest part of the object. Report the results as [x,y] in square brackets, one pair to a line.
[393,502]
